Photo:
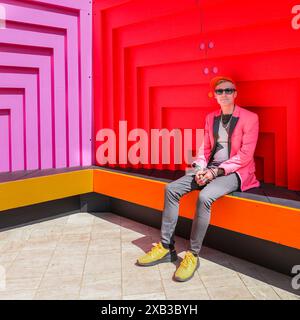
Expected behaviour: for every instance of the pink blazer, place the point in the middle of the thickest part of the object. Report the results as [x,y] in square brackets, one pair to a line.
[242,139]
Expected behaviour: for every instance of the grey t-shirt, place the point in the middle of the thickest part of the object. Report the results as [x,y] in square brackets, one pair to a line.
[221,152]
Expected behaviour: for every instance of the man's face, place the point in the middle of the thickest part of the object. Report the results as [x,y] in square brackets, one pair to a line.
[225,98]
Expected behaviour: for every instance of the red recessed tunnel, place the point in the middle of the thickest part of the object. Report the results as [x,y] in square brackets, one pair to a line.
[152,68]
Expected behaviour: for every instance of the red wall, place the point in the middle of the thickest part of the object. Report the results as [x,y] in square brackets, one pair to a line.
[153,61]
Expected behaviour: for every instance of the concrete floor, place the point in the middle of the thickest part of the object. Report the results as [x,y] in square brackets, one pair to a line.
[92,256]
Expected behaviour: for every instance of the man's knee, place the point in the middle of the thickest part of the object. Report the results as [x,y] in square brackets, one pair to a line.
[205,198]
[170,187]
[173,190]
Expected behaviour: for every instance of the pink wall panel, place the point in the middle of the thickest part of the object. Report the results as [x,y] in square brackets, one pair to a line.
[5,120]
[28,82]
[12,102]
[45,51]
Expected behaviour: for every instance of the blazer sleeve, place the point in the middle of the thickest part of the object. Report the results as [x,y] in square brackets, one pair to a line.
[203,152]
[246,153]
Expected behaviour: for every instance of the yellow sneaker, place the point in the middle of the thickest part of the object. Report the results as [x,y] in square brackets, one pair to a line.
[187,267]
[157,254]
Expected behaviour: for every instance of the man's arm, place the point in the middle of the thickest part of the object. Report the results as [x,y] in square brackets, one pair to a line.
[200,162]
[246,152]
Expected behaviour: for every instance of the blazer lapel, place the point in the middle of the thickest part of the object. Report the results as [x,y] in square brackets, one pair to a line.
[216,127]
[232,125]
[215,133]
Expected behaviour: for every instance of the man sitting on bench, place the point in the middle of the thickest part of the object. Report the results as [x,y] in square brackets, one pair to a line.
[227,165]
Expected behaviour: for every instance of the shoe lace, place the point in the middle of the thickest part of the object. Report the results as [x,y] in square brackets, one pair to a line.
[188,259]
[156,247]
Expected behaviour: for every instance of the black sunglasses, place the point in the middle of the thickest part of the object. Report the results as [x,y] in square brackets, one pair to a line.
[226,90]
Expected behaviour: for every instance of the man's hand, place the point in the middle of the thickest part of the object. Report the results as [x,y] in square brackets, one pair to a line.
[202,177]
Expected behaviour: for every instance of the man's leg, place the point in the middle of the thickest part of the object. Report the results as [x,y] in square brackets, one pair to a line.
[213,190]
[164,250]
[173,192]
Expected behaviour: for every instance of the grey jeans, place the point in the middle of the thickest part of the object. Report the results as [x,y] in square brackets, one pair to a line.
[209,193]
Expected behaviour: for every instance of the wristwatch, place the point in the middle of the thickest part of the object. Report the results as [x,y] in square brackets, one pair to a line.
[221,172]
